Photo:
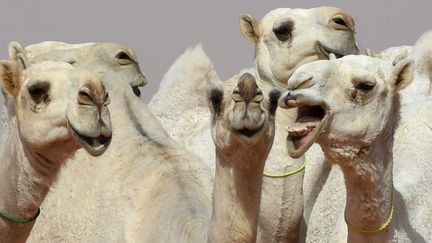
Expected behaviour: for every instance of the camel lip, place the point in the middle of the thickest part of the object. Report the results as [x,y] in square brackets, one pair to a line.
[247,136]
[93,145]
[311,121]
[248,133]
[327,50]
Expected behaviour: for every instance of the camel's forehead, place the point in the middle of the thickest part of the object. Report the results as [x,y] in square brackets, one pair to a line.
[355,66]
[365,62]
[300,14]
[54,71]
[46,46]
[50,47]
[49,65]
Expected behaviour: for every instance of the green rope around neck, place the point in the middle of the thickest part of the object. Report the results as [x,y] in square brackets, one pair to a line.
[13,219]
[286,174]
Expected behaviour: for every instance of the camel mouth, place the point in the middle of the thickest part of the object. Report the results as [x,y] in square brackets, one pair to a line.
[247,136]
[306,129]
[248,133]
[326,51]
[93,145]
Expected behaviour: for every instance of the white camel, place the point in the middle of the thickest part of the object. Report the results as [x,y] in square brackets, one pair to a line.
[332,194]
[113,59]
[157,191]
[284,39]
[54,109]
[350,107]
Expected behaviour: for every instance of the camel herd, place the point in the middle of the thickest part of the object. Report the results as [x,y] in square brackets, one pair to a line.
[314,143]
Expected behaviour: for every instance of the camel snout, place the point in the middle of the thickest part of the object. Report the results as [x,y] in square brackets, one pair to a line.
[93,93]
[288,100]
[247,87]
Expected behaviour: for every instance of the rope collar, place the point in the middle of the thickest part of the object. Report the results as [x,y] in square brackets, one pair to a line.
[11,218]
[286,174]
[377,229]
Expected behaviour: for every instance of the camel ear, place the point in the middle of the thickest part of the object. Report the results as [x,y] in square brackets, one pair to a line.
[11,70]
[249,27]
[404,73]
[214,92]
[19,55]
[9,77]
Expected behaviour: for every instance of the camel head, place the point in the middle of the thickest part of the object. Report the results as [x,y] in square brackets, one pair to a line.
[287,38]
[58,107]
[343,102]
[243,118]
[104,59]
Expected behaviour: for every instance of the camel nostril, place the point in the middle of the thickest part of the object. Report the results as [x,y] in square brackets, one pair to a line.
[288,101]
[247,87]
[85,98]
[343,22]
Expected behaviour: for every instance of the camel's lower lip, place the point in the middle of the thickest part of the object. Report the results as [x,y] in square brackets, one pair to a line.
[95,146]
[306,129]
[326,51]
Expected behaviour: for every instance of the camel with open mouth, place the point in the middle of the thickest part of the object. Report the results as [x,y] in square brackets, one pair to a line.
[351,108]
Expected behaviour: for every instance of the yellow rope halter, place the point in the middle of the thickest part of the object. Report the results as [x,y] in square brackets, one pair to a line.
[286,174]
[377,229]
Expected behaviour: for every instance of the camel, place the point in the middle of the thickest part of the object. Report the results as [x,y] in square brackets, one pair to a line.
[54,109]
[137,190]
[114,59]
[311,34]
[350,107]
[332,196]
[243,132]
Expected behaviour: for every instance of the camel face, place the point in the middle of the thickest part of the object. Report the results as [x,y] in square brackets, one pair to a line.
[110,60]
[57,104]
[287,38]
[345,101]
[242,116]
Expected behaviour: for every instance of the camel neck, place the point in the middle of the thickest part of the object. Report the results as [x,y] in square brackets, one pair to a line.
[25,176]
[369,186]
[236,201]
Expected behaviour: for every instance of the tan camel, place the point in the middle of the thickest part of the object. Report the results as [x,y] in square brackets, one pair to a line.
[350,108]
[54,109]
[311,34]
[243,131]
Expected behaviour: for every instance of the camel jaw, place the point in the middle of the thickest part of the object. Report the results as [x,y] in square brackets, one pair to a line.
[326,51]
[93,145]
[310,122]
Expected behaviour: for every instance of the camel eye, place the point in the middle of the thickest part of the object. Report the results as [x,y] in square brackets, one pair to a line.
[284,31]
[39,91]
[364,86]
[123,58]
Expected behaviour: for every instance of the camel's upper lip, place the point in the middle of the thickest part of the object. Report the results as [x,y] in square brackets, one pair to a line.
[325,50]
[94,145]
